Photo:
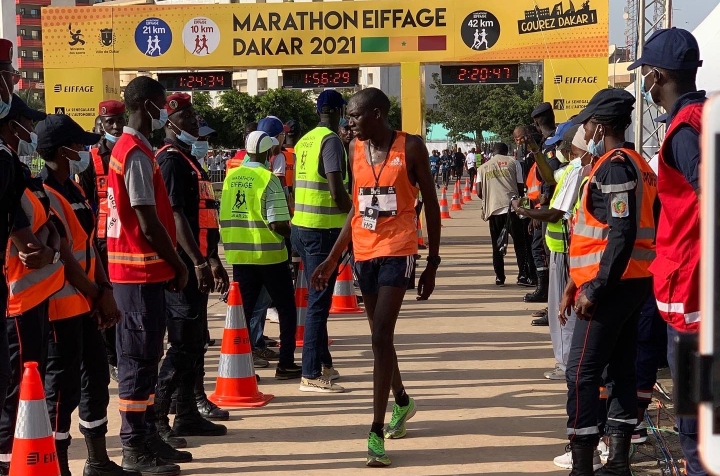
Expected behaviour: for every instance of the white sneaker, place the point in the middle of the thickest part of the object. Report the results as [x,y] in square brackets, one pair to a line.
[555,374]
[565,461]
[272,315]
[319,385]
[330,373]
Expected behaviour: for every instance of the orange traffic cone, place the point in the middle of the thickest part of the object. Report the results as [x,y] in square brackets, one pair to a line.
[457,203]
[444,208]
[236,385]
[421,241]
[344,300]
[475,189]
[467,196]
[33,451]
[301,302]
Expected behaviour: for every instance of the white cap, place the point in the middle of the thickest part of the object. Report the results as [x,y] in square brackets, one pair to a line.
[258,142]
[579,139]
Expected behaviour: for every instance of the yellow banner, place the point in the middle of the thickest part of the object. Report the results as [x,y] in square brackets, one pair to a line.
[569,84]
[78,91]
[281,35]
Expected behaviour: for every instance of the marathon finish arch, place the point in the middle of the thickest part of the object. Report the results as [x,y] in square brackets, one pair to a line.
[316,34]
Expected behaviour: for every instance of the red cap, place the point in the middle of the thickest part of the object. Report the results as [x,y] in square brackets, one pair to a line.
[177,102]
[111,107]
[6,50]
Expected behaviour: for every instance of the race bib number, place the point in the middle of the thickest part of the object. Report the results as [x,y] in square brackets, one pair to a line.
[370,218]
[619,205]
[383,199]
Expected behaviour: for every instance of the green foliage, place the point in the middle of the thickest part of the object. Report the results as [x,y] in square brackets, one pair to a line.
[395,114]
[289,104]
[468,110]
[34,98]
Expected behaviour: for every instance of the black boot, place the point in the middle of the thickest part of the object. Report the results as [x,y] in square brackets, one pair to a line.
[98,463]
[141,459]
[189,422]
[162,422]
[61,446]
[582,459]
[165,452]
[207,409]
[618,463]
[541,292]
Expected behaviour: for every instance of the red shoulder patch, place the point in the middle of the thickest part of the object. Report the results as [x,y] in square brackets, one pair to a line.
[618,156]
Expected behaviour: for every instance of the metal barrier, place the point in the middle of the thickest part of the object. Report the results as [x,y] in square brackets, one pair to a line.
[216,176]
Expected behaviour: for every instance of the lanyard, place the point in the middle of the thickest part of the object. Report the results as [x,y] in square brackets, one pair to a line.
[387,156]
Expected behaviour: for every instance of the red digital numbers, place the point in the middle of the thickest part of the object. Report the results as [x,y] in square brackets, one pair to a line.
[324,78]
[480,74]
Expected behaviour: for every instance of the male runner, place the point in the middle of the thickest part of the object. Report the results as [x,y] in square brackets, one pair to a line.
[389,167]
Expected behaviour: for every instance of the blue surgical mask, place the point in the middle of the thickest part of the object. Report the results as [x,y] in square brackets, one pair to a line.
[200,148]
[186,138]
[79,166]
[597,149]
[647,94]
[26,148]
[159,123]
[111,138]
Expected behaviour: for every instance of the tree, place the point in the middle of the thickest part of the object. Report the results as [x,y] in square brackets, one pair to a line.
[395,114]
[236,109]
[33,98]
[468,111]
[289,104]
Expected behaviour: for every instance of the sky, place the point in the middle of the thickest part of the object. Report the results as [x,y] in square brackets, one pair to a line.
[686,14]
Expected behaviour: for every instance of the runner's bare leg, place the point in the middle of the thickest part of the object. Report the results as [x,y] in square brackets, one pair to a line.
[383,310]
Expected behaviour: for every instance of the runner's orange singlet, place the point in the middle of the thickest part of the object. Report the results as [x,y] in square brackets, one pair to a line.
[396,230]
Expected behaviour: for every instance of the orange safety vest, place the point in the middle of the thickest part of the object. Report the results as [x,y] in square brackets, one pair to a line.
[289,166]
[396,230]
[533,184]
[101,186]
[590,236]
[207,212]
[69,301]
[30,287]
[131,258]
[237,160]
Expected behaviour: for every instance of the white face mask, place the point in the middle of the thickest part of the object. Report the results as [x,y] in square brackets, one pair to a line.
[79,166]
[597,148]
[159,123]
[26,148]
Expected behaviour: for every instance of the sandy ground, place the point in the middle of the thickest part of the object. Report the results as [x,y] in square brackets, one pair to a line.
[468,356]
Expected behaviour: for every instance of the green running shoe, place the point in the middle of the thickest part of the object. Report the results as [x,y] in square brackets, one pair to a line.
[376,456]
[400,415]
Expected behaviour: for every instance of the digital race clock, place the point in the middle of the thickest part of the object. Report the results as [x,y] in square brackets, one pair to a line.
[480,74]
[198,81]
[320,78]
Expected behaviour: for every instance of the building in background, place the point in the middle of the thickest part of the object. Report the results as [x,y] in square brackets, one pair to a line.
[20,21]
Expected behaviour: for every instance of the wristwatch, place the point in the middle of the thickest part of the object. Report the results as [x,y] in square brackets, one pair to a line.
[56,256]
[434,260]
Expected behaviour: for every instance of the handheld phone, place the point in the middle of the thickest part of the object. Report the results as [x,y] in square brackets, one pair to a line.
[707,370]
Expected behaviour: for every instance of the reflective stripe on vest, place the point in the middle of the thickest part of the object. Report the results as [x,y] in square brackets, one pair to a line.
[131,258]
[30,287]
[207,210]
[533,184]
[69,301]
[314,205]
[556,235]
[244,240]
[101,187]
[590,236]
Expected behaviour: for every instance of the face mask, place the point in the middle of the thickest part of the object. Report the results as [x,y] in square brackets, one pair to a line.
[5,106]
[110,138]
[25,147]
[186,138]
[597,149]
[200,148]
[79,166]
[159,123]
[647,94]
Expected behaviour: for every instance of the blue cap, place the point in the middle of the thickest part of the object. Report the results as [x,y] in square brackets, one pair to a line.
[272,126]
[559,133]
[671,48]
[330,98]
